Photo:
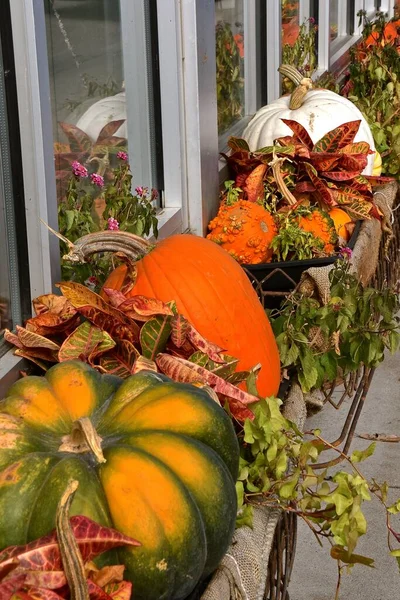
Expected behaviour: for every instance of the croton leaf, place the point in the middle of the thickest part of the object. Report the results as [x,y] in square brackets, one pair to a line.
[324,161]
[185,371]
[154,336]
[180,326]
[142,308]
[44,554]
[362,184]
[78,140]
[86,342]
[235,144]
[346,195]
[337,138]
[254,186]
[115,297]
[119,591]
[199,358]
[144,364]
[359,210]
[356,148]
[42,363]
[320,187]
[113,366]
[303,187]
[51,324]
[354,162]
[99,312]
[200,343]
[109,130]
[340,175]
[300,133]
[58,305]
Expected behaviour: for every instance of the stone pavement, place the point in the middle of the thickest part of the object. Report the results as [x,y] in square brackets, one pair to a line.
[315,573]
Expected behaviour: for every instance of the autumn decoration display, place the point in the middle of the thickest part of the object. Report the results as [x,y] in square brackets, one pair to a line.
[313,194]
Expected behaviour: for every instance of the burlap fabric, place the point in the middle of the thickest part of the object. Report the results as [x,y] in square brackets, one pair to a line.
[242,573]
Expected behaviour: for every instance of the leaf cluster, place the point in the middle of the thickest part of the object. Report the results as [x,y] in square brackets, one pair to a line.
[123,335]
[298,46]
[78,215]
[373,85]
[230,76]
[355,327]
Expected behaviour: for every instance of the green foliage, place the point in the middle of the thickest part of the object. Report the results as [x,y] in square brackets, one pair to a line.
[374,86]
[77,216]
[292,242]
[300,53]
[230,70]
[277,469]
[354,328]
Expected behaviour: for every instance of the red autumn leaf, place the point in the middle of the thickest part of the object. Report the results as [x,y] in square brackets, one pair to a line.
[93,539]
[337,138]
[185,371]
[200,343]
[238,144]
[78,140]
[304,186]
[379,180]
[320,186]
[109,130]
[180,326]
[300,133]
[362,184]
[254,186]
[324,161]
[346,194]
[119,591]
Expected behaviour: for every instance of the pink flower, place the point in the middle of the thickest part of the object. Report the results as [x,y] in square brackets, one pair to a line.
[91,282]
[122,155]
[154,194]
[113,224]
[346,253]
[141,191]
[97,179]
[311,20]
[78,169]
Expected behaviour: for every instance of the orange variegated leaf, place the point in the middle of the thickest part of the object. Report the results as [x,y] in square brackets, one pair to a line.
[86,343]
[320,186]
[254,186]
[356,148]
[300,133]
[337,138]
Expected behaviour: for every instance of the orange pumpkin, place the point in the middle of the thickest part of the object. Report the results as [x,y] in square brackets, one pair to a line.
[322,227]
[213,292]
[340,219]
[245,230]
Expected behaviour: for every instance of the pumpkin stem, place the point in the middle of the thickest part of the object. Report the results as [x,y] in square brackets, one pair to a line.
[280,182]
[127,243]
[71,557]
[303,85]
[83,438]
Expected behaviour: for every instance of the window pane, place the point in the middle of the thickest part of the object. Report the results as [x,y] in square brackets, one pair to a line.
[230,62]
[298,42]
[334,19]
[290,22]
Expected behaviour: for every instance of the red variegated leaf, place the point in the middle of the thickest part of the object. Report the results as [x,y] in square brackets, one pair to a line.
[154,336]
[340,175]
[379,180]
[300,132]
[36,593]
[143,308]
[86,342]
[200,343]
[359,210]
[183,370]
[356,148]
[51,580]
[324,161]
[11,585]
[117,328]
[93,539]
[320,187]
[180,326]
[50,324]
[114,297]
[337,138]
[354,162]
[304,187]
[238,144]
[254,186]
[109,130]
[362,184]
[78,140]
[113,366]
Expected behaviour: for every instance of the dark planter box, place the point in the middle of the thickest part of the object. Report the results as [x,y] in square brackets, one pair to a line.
[274,281]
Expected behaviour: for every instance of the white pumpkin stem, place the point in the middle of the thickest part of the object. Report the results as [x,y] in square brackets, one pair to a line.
[129,244]
[303,85]
[275,164]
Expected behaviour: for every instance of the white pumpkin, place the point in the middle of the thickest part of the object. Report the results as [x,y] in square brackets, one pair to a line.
[320,112]
[112,108]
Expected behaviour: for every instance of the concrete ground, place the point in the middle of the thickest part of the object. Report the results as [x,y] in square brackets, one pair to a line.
[315,573]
